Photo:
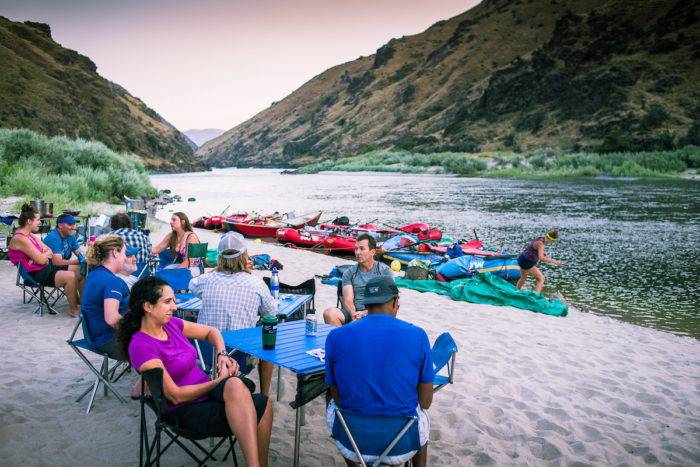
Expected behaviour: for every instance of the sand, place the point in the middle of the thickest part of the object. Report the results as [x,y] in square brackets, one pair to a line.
[529,389]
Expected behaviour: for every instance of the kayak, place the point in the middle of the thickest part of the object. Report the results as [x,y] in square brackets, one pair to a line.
[213,222]
[268,228]
[468,265]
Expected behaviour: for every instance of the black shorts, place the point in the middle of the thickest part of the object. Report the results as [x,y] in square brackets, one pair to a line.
[209,416]
[526,263]
[47,276]
[114,350]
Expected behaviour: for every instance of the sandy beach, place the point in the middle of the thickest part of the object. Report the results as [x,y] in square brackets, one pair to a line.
[530,389]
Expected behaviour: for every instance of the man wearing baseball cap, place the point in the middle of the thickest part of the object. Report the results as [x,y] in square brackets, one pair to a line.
[233,298]
[63,244]
[381,366]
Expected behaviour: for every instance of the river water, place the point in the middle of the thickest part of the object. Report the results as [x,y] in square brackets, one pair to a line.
[631,248]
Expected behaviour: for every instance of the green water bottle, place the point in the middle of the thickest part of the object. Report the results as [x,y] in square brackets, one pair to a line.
[269,332]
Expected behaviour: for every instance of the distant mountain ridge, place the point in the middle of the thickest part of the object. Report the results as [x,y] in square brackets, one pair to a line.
[201,136]
[56,91]
[564,74]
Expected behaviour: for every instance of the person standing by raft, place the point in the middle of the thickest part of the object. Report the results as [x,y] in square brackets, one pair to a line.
[531,255]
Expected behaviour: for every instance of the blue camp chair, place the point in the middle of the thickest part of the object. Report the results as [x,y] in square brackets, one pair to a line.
[374,438]
[444,353]
[105,375]
[45,296]
[179,280]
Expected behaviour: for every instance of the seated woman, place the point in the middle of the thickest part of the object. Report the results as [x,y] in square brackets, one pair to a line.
[232,298]
[106,295]
[35,256]
[176,242]
[156,339]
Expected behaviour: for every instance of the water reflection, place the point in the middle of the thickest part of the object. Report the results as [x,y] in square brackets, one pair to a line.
[630,246]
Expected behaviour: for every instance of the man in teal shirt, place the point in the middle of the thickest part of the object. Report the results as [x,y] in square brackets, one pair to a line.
[63,244]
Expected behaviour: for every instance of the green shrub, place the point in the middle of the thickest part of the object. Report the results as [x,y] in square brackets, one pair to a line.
[67,172]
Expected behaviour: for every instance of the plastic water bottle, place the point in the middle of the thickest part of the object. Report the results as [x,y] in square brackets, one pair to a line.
[275,284]
[311,324]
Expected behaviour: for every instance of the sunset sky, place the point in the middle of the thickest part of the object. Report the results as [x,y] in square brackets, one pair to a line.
[216,63]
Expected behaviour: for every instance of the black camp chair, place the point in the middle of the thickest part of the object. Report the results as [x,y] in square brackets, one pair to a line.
[166,423]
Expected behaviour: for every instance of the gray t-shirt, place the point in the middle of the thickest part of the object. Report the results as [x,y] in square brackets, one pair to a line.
[358,278]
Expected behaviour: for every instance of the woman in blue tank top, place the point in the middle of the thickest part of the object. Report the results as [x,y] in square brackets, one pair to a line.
[531,255]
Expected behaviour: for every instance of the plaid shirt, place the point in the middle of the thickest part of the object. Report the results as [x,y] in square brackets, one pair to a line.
[138,239]
[232,301]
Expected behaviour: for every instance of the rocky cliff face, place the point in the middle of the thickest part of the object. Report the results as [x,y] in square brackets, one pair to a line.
[503,75]
[57,91]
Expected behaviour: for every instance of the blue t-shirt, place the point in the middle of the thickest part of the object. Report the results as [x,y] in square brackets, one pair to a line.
[377,363]
[59,245]
[101,284]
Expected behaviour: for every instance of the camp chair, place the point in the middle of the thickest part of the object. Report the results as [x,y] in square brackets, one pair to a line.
[105,375]
[44,295]
[166,423]
[444,353]
[198,250]
[374,438]
[308,287]
[339,295]
[179,280]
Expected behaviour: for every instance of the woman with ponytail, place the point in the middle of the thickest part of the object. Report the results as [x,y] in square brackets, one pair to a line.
[177,243]
[35,256]
[105,295]
[154,338]
[531,255]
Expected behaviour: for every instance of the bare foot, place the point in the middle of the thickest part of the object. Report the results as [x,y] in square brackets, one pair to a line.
[74,313]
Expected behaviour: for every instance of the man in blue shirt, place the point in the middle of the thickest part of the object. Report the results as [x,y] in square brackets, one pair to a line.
[63,244]
[380,365]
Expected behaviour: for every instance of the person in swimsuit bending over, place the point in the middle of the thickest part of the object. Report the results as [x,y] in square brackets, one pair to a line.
[531,255]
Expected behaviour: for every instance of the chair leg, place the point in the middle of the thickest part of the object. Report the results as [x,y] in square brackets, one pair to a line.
[105,374]
[279,382]
[92,396]
[90,388]
[98,374]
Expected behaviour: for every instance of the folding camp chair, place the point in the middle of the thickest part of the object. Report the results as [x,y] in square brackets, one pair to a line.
[105,375]
[444,353]
[44,295]
[166,423]
[197,251]
[374,438]
[308,287]
[179,280]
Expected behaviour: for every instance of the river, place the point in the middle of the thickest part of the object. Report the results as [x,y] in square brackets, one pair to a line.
[631,248]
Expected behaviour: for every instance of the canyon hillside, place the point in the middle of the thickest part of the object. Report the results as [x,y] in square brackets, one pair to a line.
[564,74]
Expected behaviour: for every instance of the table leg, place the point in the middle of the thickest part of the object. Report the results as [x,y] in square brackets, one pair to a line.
[279,382]
[297,434]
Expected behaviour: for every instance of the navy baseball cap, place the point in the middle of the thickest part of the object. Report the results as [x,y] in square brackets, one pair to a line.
[380,290]
[65,219]
[132,250]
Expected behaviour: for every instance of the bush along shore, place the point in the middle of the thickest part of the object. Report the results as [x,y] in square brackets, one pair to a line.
[70,173]
[539,163]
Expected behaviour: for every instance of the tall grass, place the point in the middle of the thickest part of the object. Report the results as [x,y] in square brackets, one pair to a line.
[69,173]
[540,163]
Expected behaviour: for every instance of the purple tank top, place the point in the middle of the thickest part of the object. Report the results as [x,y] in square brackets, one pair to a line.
[18,256]
[530,252]
[179,357]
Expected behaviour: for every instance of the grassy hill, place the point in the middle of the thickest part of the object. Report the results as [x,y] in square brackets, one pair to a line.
[571,75]
[56,91]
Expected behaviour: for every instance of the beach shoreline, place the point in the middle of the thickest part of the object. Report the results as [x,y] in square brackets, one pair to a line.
[529,388]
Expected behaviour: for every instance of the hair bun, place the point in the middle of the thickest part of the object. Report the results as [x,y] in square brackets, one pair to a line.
[27,207]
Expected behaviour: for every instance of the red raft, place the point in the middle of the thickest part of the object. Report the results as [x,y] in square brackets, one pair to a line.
[268,228]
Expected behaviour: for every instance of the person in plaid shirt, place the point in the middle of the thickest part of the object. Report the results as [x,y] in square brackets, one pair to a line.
[121,225]
[232,298]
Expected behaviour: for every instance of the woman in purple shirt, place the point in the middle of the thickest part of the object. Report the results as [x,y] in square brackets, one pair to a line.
[533,254]
[156,339]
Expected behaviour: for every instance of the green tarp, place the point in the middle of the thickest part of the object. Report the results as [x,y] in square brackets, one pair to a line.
[490,290]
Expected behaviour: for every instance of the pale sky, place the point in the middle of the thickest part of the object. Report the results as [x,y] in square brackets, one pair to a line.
[216,63]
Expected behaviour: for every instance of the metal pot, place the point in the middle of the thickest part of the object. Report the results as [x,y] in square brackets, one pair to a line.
[48,211]
[39,205]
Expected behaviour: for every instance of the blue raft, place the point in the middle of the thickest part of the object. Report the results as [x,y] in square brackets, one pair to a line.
[468,265]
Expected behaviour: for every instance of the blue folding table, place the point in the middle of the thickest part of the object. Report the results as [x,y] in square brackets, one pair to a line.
[289,352]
